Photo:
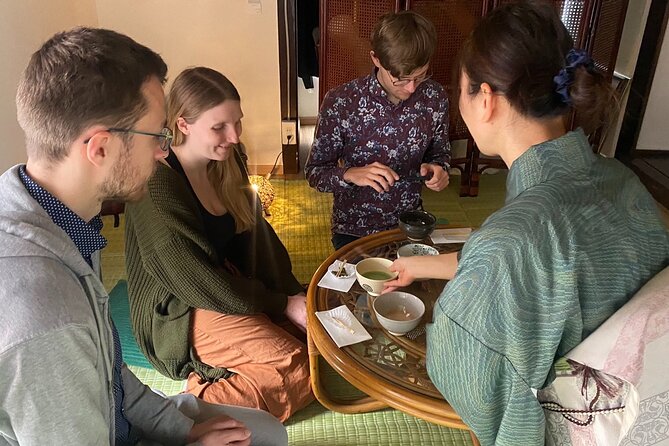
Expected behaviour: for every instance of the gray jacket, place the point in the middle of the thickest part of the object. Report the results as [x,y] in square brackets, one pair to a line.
[56,345]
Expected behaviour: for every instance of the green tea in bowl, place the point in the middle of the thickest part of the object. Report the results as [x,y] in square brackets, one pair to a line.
[378,275]
[373,273]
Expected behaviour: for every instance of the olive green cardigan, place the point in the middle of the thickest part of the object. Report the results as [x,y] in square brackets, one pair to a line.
[172,268]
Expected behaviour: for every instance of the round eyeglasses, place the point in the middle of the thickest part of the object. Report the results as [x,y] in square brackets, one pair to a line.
[401,82]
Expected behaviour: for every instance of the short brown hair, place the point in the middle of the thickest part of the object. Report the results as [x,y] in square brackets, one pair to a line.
[403,42]
[79,78]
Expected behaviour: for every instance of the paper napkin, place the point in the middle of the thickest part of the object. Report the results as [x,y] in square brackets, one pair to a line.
[332,282]
[342,326]
[451,235]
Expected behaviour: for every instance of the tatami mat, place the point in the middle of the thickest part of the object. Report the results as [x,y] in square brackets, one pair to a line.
[301,216]
[315,425]
[157,381]
[318,426]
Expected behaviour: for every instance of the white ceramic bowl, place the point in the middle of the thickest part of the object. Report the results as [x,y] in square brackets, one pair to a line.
[398,312]
[416,249]
[373,273]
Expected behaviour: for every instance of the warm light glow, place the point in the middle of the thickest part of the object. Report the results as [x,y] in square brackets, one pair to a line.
[265,191]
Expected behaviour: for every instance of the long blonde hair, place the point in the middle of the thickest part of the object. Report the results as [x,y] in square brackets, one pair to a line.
[195,91]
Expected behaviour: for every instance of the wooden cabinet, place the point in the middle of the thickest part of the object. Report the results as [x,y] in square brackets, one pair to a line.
[346,26]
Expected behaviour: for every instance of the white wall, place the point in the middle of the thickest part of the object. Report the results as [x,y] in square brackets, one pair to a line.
[307,100]
[654,129]
[24,26]
[227,35]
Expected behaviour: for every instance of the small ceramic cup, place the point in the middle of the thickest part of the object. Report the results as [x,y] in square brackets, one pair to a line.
[398,312]
[373,273]
[416,249]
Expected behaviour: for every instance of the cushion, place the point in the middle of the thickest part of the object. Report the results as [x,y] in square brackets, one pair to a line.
[120,314]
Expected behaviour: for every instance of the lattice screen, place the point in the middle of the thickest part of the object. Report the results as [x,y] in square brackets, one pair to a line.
[454,20]
[346,27]
[606,39]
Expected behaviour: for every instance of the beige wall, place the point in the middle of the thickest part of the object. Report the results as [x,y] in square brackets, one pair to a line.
[24,25]
[226,35]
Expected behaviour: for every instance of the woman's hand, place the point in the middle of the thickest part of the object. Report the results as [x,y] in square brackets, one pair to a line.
[442,266]
[296,311]
[406,268]
[220,430]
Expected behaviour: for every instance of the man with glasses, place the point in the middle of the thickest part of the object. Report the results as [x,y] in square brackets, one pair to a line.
[379,138]
[91,105]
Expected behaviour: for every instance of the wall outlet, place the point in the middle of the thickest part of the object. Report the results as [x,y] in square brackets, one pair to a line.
[288,132]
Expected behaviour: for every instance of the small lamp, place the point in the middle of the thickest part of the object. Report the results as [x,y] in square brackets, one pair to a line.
[263,187]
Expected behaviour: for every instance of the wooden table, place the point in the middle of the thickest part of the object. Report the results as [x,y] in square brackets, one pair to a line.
[390,369]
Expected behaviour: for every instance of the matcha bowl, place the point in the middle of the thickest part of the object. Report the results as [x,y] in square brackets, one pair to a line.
[373,273]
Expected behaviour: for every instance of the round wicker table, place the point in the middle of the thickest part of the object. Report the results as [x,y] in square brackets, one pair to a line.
[389,369]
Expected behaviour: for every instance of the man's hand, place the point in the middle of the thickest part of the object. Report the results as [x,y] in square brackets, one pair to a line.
[376,175]
[220,430]
[296,311]
[438,176]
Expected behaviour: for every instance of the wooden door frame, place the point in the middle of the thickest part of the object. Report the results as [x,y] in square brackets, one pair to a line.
[287,18]
[642,80]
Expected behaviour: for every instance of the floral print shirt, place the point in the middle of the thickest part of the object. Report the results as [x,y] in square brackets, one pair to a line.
[358,125]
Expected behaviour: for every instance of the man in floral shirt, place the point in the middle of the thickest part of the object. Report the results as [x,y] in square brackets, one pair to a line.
[380,137]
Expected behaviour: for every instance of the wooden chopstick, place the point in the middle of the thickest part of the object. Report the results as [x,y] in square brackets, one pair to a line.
[341,269]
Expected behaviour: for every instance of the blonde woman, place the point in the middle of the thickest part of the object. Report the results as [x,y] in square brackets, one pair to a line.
[209,280]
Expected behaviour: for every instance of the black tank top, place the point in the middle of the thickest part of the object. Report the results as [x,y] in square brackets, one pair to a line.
[220,229]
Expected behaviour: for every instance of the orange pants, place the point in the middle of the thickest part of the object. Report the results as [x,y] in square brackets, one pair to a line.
[271,366]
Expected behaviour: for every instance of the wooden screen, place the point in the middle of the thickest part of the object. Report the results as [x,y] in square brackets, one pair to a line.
[609,19]
[453,20]
[575,15]
[346,27]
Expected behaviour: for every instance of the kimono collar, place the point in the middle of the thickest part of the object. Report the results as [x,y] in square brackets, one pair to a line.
[559,157]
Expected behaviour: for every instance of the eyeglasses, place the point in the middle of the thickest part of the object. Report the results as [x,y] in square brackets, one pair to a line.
[165,136]
[401,82]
